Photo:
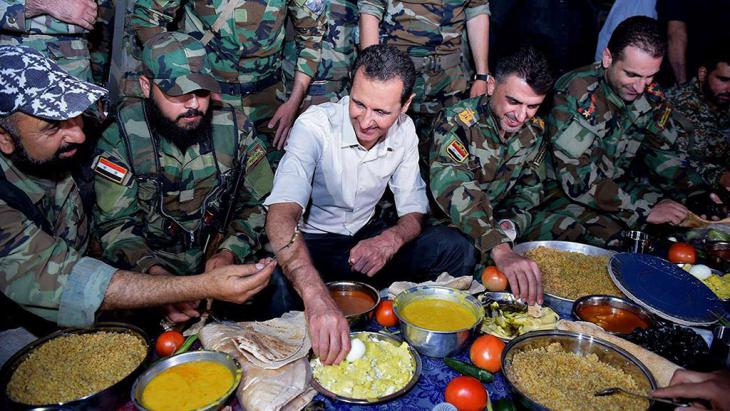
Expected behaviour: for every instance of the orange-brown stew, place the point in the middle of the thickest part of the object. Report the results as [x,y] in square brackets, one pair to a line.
[352,301]
[613,319]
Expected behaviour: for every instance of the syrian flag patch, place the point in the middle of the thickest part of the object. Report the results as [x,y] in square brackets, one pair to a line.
[457,151]
[111,170]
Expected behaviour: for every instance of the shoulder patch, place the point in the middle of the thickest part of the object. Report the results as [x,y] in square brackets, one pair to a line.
[457,151]
[467,117]
[315,6]
[538,122]
[653,89]
[254,154]
[664,116]
[111,170]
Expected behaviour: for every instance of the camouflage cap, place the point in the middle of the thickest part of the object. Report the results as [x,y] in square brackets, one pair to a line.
[178,64]
[33,84]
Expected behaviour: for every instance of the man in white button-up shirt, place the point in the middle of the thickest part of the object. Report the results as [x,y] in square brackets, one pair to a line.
[339,159]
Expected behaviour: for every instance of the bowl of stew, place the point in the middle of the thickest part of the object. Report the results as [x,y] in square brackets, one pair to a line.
[614,314]
[356,300]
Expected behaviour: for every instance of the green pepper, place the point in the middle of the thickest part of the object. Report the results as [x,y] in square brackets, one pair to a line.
[504,404]
[468,369]
[187,344]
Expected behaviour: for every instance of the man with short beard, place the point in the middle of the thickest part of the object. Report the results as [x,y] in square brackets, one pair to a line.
[166,172]
[705,102]
[44,229]
[604,117]
[485,164]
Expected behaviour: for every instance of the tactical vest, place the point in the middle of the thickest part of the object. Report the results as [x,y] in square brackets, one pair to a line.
[164,231]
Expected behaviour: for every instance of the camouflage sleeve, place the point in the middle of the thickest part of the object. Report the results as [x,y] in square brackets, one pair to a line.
[310,22]
[119,220]
[100,41]
[526,194]
[153,15]
[457,193]
[12,16]
[246,231]
[373,7]
[579,169]
[476,7]
[46,275]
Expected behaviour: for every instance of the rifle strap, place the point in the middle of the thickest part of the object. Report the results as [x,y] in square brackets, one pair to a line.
[226,13]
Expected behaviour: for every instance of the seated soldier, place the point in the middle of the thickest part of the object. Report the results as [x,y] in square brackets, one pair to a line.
[603,114]
[704,106]
[484,165]
[339,159]
[44,229]
[167,173]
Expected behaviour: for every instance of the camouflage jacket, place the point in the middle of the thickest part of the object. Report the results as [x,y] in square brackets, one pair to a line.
[595,136]
[706,139]
[339,44]
[424,28]
[66,44]
[478,179]
[45,272]
[247,48]
[157,216]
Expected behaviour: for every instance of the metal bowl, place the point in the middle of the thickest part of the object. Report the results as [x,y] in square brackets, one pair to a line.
[221,358]
[357,320]
[560,304]
[612,301]
[578,343]
[436,343]
[109,398]
[415,358]
[719,254]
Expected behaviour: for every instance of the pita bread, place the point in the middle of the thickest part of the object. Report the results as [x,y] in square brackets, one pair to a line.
[464,283]
[695,221]
[274,343]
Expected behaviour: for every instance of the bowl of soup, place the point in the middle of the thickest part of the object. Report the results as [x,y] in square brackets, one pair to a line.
[356,300]
[437,321]
[197,380]
[613,314]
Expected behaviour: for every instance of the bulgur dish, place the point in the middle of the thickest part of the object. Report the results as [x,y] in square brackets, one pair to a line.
[572,275]
[562,380]
[70,367]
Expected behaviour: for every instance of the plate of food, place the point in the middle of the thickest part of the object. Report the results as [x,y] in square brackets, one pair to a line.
[570,271]
[505,317]
[378,368]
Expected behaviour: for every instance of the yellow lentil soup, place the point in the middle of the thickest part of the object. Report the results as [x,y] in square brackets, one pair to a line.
[187,386]
[438,315]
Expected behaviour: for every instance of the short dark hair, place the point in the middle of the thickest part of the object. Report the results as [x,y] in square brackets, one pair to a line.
[716,54]
[530,65]
[7,123]
[639,31]
[383,63]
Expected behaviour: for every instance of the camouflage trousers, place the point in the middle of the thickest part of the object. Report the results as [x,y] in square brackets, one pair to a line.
[561,219]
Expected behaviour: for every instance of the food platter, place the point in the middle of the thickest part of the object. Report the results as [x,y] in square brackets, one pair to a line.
[561,304]
[416,363]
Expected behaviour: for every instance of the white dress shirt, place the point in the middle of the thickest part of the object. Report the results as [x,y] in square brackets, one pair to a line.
[325,162]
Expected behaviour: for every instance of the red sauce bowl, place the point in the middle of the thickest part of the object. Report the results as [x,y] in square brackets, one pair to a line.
[615,315]
[356,300]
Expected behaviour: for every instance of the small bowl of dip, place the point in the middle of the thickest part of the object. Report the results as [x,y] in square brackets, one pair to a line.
[614,314]
[356,300]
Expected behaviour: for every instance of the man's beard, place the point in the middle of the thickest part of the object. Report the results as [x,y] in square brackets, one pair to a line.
[714,98]
[183,138]
[55,169]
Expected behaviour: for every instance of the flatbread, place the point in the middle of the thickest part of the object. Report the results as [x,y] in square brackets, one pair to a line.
[274,343]
[695,221]
[464,283]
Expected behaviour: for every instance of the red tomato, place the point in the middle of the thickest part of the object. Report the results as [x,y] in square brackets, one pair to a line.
[466,394]
[493,279]
[168,342]
[486,353]
[682,253]
[385,315]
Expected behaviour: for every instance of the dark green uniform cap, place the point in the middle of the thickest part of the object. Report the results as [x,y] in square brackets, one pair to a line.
[178,64]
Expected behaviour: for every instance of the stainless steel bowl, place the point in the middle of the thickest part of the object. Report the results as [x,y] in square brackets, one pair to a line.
[215,356]
[560,304]
[109,398]
[616,302]
[578,343]
[415,358]
[436,343]
[358,320]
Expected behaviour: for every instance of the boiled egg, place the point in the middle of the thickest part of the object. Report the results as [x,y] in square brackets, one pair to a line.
[700,271]
[357,350]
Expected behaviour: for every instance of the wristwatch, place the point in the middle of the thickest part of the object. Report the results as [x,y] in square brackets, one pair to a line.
[483,77]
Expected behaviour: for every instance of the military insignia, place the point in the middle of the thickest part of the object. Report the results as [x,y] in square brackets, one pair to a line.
[111,170]
[255,154]
[664,117]
[587,112]
[457,151]
[316,6]
[538,122]
[654,90]
[467,117]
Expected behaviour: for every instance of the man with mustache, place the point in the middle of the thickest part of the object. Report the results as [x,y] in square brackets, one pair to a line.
[339,160]
[705,102]
[603,116]
[485,165]
[166,172]
[44,229]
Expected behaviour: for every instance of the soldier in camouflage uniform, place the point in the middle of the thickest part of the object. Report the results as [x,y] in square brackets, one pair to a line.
[603,115]
[44,228]
[339,50]
[60,30]
[166,168]
[485,165]
[245,39]
[430,32]
[705,103]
